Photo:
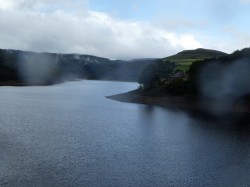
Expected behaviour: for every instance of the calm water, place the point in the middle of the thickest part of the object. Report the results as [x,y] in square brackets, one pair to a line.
[71,135]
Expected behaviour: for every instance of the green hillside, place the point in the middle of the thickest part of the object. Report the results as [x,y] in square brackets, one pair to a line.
[185,58]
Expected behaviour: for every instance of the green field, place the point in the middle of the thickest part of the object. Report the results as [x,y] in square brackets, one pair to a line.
[184,59]
[183,64]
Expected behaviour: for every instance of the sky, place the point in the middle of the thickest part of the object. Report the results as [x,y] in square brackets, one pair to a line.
[124,29]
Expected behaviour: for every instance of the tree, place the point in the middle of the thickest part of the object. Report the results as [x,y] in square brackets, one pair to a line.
[155,72]
[177,86]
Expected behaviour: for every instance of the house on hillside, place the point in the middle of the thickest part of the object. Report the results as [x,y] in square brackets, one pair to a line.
[176,75]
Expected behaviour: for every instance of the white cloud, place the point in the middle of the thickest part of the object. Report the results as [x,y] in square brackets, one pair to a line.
[49,26]
[184,41]
[37,4]
[20,4]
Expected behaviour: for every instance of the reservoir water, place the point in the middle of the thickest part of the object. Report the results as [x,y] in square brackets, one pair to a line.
[72,135]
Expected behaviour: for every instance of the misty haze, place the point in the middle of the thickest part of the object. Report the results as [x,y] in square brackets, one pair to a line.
[124,93]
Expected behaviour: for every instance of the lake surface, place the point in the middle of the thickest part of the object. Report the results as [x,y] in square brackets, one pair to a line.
[72,135]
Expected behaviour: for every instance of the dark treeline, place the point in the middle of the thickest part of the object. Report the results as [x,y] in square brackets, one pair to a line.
[232,69]
[204,76]
[217,86]
[220,76]
[30,68]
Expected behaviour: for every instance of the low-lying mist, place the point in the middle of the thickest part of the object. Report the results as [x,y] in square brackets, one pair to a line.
[225,84]
[48,68]
[37,68]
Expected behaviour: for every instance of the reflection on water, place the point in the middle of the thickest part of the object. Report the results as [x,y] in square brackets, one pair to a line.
[71,135]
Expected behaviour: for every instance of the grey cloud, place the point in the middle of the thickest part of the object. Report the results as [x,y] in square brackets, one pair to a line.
[38,4]
[84,31]
[238,39]
[181,24]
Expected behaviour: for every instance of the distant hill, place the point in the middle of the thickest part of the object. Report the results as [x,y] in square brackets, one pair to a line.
[131,70]
[243,53]
[185,58]
[199,53]
[25,67]
[46,68]
[142,59]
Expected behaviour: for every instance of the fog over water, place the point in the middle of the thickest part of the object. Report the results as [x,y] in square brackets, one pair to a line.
[71,135]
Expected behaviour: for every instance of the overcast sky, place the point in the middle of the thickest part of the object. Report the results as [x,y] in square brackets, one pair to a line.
[124,29]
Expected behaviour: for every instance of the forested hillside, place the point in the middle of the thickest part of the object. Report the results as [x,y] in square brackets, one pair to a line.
[22,67]
[29,68]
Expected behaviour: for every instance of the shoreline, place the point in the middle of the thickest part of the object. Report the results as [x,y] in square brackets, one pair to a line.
[192,105]
[21,84]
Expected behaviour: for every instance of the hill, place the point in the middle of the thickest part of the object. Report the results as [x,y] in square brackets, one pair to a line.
[217,86]
[25,67]
[131,70]
[185,58]
[29,68]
